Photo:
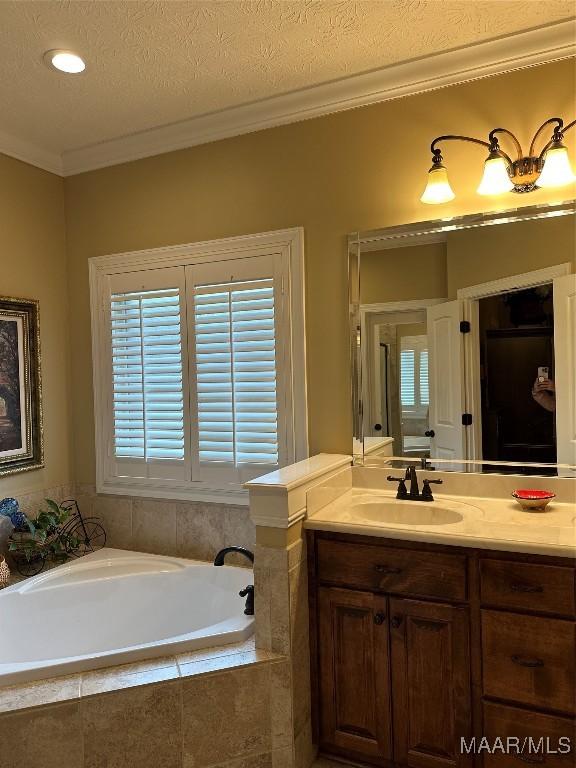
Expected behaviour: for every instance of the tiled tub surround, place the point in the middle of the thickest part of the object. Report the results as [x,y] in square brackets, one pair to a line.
[227,707]
[115,606]
[196,530]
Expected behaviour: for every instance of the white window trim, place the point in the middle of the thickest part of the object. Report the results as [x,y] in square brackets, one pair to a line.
[289,243]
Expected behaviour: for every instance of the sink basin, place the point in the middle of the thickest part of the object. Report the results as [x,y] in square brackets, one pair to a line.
[405,514]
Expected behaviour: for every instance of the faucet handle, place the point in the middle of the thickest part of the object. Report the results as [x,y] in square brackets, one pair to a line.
[427,491]
[402,492]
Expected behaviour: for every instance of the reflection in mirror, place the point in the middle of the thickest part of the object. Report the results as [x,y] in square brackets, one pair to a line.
[464,341]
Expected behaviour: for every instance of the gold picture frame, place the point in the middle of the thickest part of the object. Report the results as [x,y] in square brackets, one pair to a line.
[21,428]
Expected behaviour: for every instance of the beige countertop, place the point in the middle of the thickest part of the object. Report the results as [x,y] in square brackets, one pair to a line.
[461,521]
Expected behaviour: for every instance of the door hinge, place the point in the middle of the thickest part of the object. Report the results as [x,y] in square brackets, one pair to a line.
[466,419]
[464,326]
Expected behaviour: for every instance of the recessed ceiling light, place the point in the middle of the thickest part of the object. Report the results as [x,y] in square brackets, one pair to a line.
[65,61]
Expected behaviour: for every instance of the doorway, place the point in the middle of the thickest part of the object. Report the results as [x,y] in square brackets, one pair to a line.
[516,335]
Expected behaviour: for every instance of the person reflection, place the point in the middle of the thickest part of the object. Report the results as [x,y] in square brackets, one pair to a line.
[544,393]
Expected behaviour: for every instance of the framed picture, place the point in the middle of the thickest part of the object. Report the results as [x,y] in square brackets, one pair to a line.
[21,435]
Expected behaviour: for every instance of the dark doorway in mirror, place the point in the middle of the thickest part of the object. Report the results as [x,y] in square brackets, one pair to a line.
[517,376]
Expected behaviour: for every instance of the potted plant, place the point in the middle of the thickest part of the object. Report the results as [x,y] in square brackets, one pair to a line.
[41,537]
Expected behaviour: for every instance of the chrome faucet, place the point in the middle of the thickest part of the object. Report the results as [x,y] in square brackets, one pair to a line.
[414,494]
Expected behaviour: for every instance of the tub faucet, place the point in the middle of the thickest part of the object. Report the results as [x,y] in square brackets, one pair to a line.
[219,559]
[248,593]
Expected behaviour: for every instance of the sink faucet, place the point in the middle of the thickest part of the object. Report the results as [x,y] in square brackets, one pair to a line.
[414,494]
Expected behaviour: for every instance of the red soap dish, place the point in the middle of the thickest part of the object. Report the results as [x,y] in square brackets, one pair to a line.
[533,499]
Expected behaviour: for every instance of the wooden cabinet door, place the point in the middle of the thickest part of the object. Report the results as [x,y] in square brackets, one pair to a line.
[354,674]
[431,691]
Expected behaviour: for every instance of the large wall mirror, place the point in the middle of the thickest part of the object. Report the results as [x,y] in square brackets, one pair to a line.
[463,337]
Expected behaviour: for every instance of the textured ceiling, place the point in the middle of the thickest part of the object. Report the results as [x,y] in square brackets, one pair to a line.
[154,63]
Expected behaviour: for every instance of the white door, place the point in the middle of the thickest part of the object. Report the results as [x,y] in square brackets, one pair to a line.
[565,367]
[446,381]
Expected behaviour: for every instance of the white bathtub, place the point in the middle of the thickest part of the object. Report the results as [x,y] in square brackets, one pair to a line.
[114,607]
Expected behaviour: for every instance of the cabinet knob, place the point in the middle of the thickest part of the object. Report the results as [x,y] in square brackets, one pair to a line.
[429,433]
[396,622]
[379,618]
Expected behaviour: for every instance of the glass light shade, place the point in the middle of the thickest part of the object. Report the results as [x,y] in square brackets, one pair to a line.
[438,189]
[557,171]
[495,180]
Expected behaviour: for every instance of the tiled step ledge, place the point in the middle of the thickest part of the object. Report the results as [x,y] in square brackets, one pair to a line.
[57,690]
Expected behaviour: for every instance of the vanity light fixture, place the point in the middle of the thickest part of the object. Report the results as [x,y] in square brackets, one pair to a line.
[65,61]
[550,168]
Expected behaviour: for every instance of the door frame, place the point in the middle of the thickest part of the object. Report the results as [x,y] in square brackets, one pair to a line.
[470,296]
[386,307]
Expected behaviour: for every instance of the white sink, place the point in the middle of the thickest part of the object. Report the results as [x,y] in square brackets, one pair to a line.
[406,513]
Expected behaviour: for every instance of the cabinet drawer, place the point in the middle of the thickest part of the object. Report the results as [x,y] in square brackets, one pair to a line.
[529,660]
[399,571]
[547,733]
[545,588]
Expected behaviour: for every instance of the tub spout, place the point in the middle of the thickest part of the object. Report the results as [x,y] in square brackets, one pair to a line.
[219,559]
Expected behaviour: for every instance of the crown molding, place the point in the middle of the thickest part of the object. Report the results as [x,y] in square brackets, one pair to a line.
[31,154]
[525,49]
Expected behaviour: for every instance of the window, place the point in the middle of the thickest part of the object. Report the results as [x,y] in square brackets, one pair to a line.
[198,366]
[414,390]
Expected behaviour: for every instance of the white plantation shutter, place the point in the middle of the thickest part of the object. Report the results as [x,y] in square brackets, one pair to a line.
[240,400]
[147,375]
[147,371]
[407,379]
[199,372]
[424,386]
[236,373]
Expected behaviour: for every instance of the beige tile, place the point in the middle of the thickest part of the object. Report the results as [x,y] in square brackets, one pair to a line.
[262,607]
[219,663]
[271,558]
[226,715]
[283,758]
[37,694]
[305,749]
[217,650]
[48,737]
[154,526]
[281,705]
[252,761]
[116,514]
[129,676]
[137,728]
[300,647]
[279,612]
[203,529]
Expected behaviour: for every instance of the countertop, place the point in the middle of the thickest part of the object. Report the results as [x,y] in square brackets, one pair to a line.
[484,523]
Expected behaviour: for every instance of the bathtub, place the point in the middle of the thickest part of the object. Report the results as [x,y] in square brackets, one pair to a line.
[114,607]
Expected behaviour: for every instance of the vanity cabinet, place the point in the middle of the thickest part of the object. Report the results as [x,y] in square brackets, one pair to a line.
[416,646]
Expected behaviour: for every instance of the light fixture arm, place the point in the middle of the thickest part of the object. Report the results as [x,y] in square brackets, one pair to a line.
[494,140]
[557,130]
[492,145]
[557,136]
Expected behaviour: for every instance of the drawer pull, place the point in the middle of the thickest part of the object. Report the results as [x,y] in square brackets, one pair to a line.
[386,570]
[526,589]
[379,618]
[522,661]
[396,622]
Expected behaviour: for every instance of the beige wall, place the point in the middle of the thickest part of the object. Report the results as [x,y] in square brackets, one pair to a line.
[357,170]
[33,265]
[480,255]
[403,274]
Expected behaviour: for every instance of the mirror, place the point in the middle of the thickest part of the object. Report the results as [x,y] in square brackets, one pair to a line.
[463,335]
